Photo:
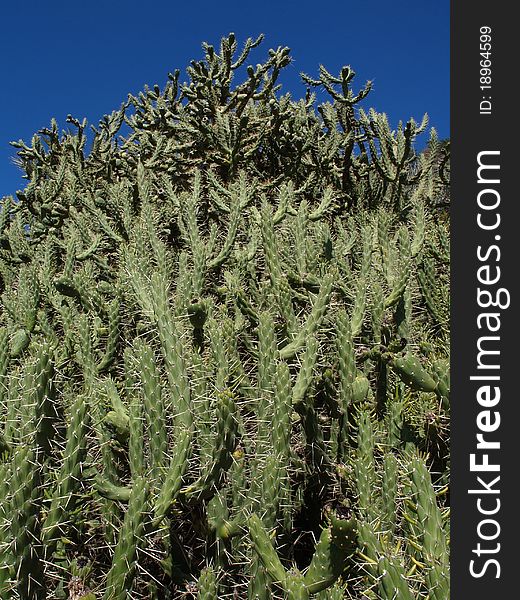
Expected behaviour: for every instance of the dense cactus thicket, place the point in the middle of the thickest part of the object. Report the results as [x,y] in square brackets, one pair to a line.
[224,360]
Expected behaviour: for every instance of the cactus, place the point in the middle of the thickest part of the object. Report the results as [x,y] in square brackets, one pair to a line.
[121,572]
[333,548]
[364,465]
[22,568]
[112,336]
[4,362]
[313,320]
[441,374]
[336,543]
[19,342]
[173,479]
[70,472]
[427,529]
[413,373]
[207,585]
[219,332]
[424,542]
[224,444]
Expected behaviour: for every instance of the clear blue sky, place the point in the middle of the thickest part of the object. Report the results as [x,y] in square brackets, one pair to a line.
[59,57]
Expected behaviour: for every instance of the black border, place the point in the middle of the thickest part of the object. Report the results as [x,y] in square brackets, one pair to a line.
[472,133]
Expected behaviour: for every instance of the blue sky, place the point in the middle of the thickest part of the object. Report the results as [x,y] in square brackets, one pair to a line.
[59,57]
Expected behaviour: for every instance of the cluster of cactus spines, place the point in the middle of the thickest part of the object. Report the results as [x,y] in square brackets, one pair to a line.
[223,348]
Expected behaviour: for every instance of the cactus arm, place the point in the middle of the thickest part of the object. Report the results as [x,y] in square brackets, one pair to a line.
[313,320]
[120,576]
[412,373]
[172,484]
[336,543]
[265,551]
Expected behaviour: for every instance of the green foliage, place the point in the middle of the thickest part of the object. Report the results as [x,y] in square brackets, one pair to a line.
[224,361]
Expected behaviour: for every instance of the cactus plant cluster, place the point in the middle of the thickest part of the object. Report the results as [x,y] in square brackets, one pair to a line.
[224,360]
